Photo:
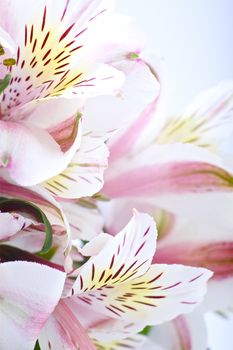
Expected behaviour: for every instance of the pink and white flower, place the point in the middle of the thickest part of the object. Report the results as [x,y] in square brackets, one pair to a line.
[118,292]
[175,177]
[59,50]
[181,175]
[84,174]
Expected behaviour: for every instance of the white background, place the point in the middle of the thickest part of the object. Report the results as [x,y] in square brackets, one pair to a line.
[194,40]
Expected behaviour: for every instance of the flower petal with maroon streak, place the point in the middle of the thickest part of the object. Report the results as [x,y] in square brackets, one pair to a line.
[56,53]
[84,174]
[117,282]
[207,122]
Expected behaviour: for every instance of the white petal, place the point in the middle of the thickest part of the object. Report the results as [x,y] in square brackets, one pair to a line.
[140,88]
[135,342]
[30,154]
[185,332]
[207,122]
[29,293]
[95,246]
[6,41]
[47,113]
[219,296]
[161,294]
[124,257]
[85,222]
[117,213]
[84,174]
[7,46]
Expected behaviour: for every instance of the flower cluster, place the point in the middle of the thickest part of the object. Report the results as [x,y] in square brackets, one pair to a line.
[83,142]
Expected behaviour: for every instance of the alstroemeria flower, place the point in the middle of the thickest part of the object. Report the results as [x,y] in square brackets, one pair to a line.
[117,291]
[57,50]
[29,292]
[176,176]
[174,160]
[61,49]
[84,174]
[185,179]
[186,187]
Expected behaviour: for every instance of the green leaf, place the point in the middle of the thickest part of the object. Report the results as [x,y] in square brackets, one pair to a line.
[133,55]
[49,254]
[37,346]
[146,330]
[7,204]
[4,82]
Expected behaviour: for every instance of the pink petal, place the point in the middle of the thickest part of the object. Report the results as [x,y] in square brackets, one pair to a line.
[125,143]
[174,177]
[11,223]
[215,256]
[64,331]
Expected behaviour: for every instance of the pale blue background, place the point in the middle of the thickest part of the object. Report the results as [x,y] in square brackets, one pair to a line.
[192,37]
[194,40]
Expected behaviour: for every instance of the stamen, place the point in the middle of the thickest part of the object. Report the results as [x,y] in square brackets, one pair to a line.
[8,62]
[2,51]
